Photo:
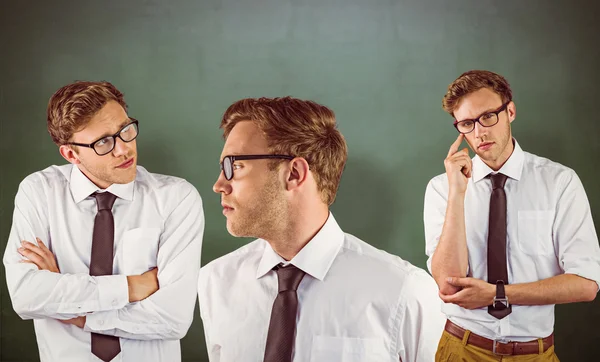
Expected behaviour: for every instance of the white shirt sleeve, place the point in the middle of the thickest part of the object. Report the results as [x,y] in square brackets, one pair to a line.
[168,313]
[434,214]
[42,294]
[421,321]
[214,350]
[574,233]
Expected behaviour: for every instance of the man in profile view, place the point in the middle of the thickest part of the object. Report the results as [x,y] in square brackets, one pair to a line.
[304,290]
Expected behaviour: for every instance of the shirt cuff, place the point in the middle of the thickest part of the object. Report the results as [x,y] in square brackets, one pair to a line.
[100,321]
[108,322]
[113,291]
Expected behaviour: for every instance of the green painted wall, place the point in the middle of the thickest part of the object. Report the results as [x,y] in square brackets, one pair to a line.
[382,66]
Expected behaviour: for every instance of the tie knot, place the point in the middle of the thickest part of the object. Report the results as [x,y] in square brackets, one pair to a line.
[104,200]
[498,181]
[289,277]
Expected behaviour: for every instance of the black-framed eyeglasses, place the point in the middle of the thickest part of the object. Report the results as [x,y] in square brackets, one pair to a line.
[227,163]
[106,144]
[487,119]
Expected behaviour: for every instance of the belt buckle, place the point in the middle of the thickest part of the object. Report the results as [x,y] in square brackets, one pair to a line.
[504,342]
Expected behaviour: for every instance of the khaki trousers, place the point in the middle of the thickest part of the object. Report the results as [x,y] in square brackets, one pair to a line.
[452,349]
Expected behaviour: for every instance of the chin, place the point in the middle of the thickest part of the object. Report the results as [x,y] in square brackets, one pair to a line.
[232,231]
[122,180]
[128,177]
[237,231]
[230,227]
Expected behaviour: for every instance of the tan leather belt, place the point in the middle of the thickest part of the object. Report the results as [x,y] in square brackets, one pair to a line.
[499,347]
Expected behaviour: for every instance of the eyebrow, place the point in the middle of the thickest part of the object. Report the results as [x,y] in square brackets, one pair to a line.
[229,154]
[123,124]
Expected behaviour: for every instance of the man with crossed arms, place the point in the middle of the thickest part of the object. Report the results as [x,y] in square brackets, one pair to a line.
[93,240]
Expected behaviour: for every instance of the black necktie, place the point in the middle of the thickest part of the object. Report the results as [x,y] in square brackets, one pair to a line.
[282,328]
[101,263]
[496,256]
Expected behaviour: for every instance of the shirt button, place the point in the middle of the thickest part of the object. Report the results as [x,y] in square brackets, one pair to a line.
[114,302]
[100,322]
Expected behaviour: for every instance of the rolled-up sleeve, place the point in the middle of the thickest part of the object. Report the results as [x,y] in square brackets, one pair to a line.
[574,233]
[434,214]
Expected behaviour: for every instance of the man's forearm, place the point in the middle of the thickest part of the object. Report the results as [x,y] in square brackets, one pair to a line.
[564,288]
[451,258]
[160,316]
[42,294]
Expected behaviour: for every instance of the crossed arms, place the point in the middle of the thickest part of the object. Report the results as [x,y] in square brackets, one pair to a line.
[135,306]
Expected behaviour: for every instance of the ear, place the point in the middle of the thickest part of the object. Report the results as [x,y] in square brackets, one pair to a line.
[298,172]
[69,154]
[511,109]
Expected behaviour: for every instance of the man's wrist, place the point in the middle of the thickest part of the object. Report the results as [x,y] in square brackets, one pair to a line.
[500,300]
[492,293]
[131,280]
[456,196]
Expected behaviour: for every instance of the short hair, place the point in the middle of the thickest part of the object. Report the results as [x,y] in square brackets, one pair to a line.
[72,107]
[299,128]
[472,81]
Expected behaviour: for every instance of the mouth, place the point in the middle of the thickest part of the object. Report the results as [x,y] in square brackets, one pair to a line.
[485,146]
[226,209]
[126,164]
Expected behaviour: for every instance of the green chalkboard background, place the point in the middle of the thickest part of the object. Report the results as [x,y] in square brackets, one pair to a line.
[381,65]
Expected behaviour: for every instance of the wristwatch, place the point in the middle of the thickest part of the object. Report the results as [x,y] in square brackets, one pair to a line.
[500,300]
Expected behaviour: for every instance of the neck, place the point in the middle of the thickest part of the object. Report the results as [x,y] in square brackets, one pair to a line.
[504,156]
[101,184]
[300,228]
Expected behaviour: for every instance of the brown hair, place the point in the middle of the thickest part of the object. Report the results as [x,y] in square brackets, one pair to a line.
[73,105]
[472,81]
[298,128]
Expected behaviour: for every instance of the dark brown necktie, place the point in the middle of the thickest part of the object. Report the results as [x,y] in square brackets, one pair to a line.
[282,328]
[101,263]
[496,256]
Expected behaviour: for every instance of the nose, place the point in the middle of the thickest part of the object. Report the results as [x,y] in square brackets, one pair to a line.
[121,148]
[479,130]
[222,185]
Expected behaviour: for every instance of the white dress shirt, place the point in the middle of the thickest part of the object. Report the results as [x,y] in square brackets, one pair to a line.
[355,304]
[159,222]
[549,232]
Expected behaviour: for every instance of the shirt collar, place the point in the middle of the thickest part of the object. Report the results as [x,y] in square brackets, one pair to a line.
[82,187]
[315,258]
[513,167]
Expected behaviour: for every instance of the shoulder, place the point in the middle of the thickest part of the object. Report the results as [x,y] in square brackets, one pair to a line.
[172,187]
[39,182]
[542,164]
[438,184]
[548,171]
[381,264]
[405,284]
[227,267]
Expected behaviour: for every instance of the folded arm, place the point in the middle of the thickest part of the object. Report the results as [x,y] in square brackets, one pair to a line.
[39,293]
[168,313]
